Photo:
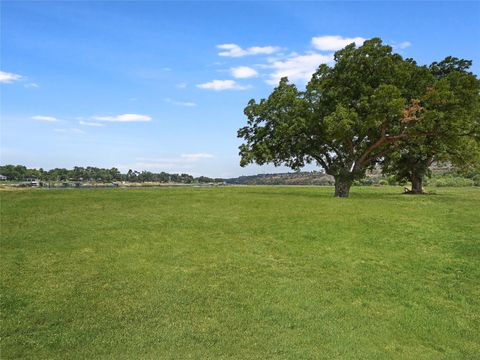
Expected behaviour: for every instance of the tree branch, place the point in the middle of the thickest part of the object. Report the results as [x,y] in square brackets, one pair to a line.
[321,161]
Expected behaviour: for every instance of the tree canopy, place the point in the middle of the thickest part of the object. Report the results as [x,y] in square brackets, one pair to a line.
[350,116]
[451,106]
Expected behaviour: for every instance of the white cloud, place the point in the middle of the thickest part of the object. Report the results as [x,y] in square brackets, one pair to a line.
[89,123]
[45,118]
[243,72]
[31,85]
[180,103]
[297,67]
[7,78]
[181,85]
[222,85]
[255,50]
[123,118]
[334,42]
[233,50]
[403,45]
[196,157]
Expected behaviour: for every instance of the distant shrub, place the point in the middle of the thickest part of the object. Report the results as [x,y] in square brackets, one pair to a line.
[445,181]
[391,180]
[476,180]
[439,183]
[365,181]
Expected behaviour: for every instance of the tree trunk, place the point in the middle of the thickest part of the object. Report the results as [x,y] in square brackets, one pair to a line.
[342,187]
[417,182]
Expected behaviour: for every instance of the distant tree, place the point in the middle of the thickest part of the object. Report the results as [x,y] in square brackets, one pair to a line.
[58,174]
[13,172]
[451,115]
[130,175]
[187,179]
[204,179]
[115,174]
[347,118]
[145,176]
[78,173]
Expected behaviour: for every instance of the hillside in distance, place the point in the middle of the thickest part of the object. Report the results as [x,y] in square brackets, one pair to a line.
[293,178]
[320,178]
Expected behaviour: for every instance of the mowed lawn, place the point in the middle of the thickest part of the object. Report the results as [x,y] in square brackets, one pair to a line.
[240,273]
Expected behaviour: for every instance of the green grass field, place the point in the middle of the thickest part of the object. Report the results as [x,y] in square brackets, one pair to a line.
[240,273]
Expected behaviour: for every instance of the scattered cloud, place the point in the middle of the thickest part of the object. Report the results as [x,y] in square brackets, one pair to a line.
[233,50]
[181,85]
[45,118]
[7,78]
[402,45]
[219,85]
[297,67]
[90,123]
[124,118]
[196,157]
[180,103]
[300,67]
[69,131]
[243,72]
[334,42]
[166,69]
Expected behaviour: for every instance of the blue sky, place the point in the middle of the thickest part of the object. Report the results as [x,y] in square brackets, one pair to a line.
[161,86]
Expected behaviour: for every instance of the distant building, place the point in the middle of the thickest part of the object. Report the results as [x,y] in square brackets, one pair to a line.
[32,181]
[3,178]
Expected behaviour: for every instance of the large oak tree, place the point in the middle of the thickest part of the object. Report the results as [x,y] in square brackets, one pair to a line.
[350,116]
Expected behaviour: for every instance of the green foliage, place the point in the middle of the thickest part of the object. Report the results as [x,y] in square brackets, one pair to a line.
[345,120]
[20,172]
[90,173]
[450,116]
[450,180]
[372,105]
[239,273]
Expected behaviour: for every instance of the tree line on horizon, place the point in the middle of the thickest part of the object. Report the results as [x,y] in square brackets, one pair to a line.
[91,173]
[372,108]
